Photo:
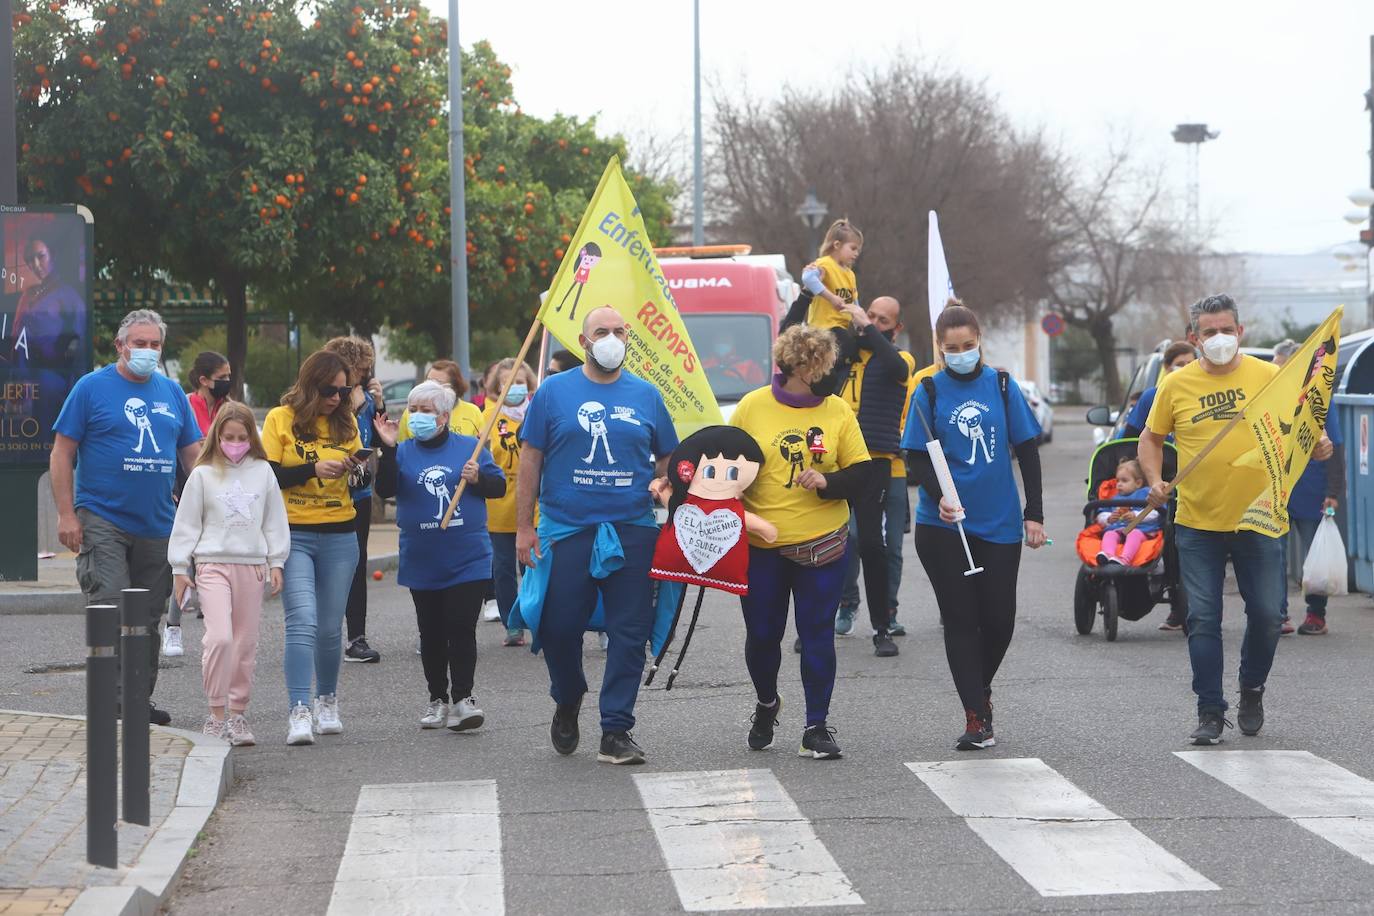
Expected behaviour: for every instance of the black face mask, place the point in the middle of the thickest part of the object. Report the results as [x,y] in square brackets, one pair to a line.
[823,388]
[890,335]
[219,388]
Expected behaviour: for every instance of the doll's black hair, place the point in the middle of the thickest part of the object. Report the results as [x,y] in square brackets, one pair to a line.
[728,442]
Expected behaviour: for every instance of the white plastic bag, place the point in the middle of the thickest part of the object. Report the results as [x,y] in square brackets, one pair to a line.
[1324,571]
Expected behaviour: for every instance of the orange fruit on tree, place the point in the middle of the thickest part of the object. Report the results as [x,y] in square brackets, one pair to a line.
[353,197]
[167,135]
[159,81]
[529,208]
[213,63]
[113,116]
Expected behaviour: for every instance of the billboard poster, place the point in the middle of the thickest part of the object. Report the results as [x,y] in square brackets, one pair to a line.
[46,256]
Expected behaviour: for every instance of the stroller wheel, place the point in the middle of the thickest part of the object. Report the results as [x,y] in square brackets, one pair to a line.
[1111,608]
[1084,604]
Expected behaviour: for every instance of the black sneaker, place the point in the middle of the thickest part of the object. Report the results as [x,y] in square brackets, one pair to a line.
[818,742]
[158,716]
[977,732]
[563,732]
[883,646]
[1210,722]
[620,748]
[1250,711]
[761,732]
[359,651]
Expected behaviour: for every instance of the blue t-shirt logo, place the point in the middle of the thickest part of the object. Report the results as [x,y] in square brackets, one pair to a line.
[435,479]
[968,419]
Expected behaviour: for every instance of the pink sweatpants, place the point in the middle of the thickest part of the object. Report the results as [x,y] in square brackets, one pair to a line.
[1112,539]
[231,597]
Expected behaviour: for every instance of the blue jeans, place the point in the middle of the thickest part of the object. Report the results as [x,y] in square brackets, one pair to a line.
[503,572]
[626,595]
[1258,561]
[895,512]
[315,584]
[1306,530]
[814,592]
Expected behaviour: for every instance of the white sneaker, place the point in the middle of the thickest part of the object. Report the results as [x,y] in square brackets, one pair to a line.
[171,642]
[436,714]
[300,727]
[465,715]
[327,715]
[490,611]
[213,728]
[236,730]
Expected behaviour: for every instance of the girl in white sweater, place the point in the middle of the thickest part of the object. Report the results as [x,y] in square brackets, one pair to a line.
[231,520]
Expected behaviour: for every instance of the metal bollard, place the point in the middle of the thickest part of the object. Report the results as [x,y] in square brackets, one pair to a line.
[102,677]
[133,651]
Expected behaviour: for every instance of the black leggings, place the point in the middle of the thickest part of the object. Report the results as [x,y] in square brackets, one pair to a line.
[448,637]
[979,611]
[869,510]
[356,610]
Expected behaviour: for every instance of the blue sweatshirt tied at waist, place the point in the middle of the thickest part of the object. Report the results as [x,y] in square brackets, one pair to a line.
[607,557]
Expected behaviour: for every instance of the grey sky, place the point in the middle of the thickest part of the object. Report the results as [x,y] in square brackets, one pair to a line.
[1281,81]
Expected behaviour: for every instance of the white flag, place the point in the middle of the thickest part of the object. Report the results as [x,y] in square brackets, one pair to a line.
[939,289]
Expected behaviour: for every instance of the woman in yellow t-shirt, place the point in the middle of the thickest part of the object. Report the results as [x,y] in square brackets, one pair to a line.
[505,449]
[466,419]
[814,459]
[311,441]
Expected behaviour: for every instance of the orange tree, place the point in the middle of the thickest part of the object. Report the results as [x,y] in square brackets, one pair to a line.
[234,143]
[528,181]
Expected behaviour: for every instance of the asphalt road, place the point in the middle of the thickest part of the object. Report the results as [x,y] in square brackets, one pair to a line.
[574,834]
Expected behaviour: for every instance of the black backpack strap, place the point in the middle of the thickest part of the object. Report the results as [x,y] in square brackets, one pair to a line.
[1003,381]
[928,383]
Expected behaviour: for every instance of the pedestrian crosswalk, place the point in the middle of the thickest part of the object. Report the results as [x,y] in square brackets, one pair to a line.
[735,839]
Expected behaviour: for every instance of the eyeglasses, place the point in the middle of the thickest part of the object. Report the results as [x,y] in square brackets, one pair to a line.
[329,391]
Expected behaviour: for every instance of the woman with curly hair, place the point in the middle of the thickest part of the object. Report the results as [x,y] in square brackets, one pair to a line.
[814,459]
[310,441]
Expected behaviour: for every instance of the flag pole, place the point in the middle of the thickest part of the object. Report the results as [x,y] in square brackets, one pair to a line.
[482,438]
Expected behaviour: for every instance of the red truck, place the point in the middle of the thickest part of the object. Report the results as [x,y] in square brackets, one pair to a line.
[731,302]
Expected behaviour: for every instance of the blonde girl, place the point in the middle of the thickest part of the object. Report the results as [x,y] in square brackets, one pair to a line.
[505,449]
[231,522]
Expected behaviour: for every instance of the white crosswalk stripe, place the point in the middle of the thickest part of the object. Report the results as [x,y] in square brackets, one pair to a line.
[1316,794]
[422,848]
[1056,837]
[734,839]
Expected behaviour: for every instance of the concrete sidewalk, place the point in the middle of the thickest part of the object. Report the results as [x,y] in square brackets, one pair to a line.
[57,591]
[43,868]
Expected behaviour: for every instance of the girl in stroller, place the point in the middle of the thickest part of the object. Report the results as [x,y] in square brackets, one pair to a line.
[1130,484]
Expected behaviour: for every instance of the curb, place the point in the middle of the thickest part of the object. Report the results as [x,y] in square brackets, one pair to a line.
[205,777]
[72,601]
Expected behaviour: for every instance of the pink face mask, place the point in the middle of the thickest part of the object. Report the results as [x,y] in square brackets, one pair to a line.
[234,451]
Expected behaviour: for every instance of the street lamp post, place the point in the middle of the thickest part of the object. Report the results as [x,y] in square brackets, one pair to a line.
[458,216]
[813,213]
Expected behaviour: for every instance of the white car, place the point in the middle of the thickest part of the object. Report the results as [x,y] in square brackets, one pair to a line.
[1040,406]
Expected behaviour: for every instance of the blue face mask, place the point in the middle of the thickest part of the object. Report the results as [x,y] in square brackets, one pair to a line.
[142,363]
[424,426]
[964,362]
[517,394]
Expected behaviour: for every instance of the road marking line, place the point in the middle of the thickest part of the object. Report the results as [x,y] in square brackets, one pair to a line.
[422,848]
[1056,837]
[1318,795]
[735,840]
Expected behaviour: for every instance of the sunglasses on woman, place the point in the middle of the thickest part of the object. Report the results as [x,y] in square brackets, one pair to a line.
[328,391]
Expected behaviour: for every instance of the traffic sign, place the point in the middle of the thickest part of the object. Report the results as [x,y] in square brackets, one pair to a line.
[1052,324]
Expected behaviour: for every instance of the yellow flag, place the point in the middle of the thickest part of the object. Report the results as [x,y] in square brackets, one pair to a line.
[1286,419]
[610,261]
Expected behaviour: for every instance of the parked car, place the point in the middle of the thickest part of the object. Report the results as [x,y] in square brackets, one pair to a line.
[395,394]
[1040,406]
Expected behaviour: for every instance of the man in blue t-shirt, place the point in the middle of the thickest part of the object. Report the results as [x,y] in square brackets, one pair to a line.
[593,441]
[123,427]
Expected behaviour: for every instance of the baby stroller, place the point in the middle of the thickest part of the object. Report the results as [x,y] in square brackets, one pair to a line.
[1128,592]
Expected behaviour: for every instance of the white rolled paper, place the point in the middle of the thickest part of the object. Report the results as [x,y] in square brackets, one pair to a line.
[937,459]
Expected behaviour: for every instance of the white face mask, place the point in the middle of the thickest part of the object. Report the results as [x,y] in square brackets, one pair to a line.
[609,352]
[1220,349]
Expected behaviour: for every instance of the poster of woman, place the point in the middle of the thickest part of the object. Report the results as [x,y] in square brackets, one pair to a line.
[45,344]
